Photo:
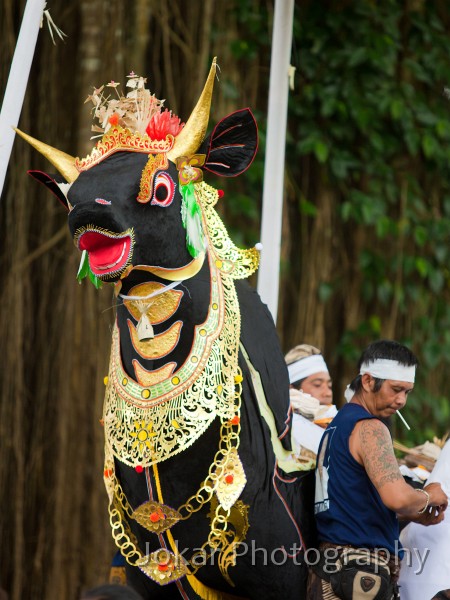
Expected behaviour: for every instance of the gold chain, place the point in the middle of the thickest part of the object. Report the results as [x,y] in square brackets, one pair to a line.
[123,536]
[218,536]
[229,438]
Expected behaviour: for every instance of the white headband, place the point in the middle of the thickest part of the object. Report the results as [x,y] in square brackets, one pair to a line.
[306,366]
[383,368]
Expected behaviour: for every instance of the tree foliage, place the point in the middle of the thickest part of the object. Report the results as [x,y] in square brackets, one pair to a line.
[370,125]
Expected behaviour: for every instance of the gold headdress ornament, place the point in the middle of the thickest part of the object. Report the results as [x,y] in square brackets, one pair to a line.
[186,142]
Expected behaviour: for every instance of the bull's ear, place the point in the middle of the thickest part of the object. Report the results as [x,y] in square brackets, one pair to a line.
[55,183]
[231,147]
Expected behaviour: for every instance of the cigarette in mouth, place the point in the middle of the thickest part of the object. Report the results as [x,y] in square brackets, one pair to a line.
[404,422]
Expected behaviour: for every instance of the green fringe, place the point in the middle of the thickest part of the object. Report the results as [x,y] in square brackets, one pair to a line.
[191,216]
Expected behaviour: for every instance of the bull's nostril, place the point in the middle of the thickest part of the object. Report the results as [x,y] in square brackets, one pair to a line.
[102,201]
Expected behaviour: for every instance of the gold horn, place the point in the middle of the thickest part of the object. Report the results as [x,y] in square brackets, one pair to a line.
[62,161]
[192,134]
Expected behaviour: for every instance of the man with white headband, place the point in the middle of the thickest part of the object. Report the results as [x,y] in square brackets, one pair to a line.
[308,372]
[311,396]
[360,492]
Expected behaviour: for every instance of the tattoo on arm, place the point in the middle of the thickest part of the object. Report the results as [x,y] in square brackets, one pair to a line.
[377,453]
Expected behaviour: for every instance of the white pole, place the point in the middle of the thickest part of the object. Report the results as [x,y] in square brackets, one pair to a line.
[17,80]
[269,270]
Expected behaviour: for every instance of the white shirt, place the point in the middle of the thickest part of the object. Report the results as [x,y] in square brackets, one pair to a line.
[425,569]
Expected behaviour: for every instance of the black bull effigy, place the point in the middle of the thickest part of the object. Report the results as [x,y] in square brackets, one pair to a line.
[205,497]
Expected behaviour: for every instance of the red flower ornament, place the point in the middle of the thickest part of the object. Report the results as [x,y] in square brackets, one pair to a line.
[162,123]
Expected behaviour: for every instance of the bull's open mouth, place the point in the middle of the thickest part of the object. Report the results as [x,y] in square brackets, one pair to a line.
[109,253]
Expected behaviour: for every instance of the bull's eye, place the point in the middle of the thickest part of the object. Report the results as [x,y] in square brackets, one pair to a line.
[163,190]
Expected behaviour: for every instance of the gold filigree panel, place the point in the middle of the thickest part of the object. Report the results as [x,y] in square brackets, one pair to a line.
[159,308]
[148,378]
[159,346]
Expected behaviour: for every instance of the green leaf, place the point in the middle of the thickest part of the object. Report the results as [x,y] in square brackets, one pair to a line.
[346,211]
[308,208]
[420,235]
[422,266]
[412,140]
[321,150]
[443,129]
[306,145]
[383,226]
[429,145]
[375,324]
[397,108]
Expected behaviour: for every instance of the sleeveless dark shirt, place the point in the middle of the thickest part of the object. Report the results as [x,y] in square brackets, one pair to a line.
[348,508]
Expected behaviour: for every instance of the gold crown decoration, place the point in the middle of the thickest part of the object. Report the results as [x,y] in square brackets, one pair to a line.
[118,139]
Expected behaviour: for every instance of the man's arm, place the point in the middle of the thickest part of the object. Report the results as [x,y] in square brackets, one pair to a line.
[370,444]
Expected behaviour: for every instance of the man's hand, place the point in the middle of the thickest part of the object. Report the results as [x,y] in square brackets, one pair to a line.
[437,495]
[431,516]
[437,506]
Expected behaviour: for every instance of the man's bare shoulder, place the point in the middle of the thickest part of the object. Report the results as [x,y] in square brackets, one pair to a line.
[368,427]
